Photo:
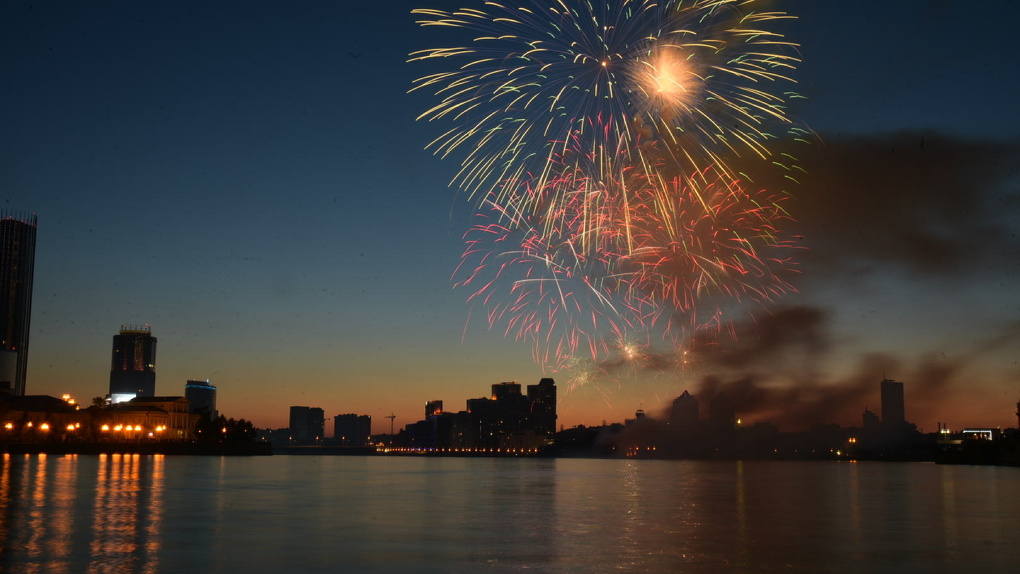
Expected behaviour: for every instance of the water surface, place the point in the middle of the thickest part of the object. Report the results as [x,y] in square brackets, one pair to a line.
[310,514]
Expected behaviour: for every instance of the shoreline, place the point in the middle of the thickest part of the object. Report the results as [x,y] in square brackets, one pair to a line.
[167,448]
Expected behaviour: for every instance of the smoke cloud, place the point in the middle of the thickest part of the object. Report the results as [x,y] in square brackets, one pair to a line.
[924,206]
[923,203]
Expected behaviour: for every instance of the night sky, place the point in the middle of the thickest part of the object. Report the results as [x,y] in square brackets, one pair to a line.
[248,178]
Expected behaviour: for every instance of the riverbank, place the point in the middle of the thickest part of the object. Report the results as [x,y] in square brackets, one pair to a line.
[168,448]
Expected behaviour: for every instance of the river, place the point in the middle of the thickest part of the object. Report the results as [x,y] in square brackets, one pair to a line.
[124,514]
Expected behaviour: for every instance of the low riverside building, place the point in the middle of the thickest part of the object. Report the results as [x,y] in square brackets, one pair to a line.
[43,419]
[40,419]
[160,418]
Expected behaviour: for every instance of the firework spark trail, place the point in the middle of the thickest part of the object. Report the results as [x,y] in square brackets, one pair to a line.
[598,140]
[660,266]
[539,287]
[693,74]
[704,237]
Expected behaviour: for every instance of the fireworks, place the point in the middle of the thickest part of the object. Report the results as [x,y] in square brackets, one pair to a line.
[705,236]
[600,141]
[692,74]
[541,286]
[596,271]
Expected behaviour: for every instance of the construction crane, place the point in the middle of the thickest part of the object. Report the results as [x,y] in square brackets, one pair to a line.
[391,417]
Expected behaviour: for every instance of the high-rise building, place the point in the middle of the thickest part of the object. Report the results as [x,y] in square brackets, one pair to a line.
[133,369]
[685,415]
[504,421]
[307,425]
[433,408]
[352,430]
[543,406]
[17,268]
[201,397]
[503,390]
[892,403]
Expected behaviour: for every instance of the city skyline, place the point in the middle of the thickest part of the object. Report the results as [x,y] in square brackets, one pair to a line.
[251,182]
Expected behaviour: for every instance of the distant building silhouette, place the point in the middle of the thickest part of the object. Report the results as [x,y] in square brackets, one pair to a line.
[352,430]
[307,425]
[133,368]
[201,396]
[17,269]
[870,420]
[893,414]
[481,425]
[504,390]
[513,411]
[685,416]
[542,398]
[275,437]
[505,421]
[433,408]
[639,416]
[722,415]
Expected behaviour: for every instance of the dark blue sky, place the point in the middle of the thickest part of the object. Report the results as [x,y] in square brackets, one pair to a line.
[249,179]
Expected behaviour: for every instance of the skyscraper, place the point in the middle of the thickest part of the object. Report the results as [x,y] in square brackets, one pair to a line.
[133,369]
[892,403]
[17,268]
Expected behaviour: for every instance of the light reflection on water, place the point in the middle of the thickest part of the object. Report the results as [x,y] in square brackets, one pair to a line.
[151,514]
[127,510]
[72,514]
